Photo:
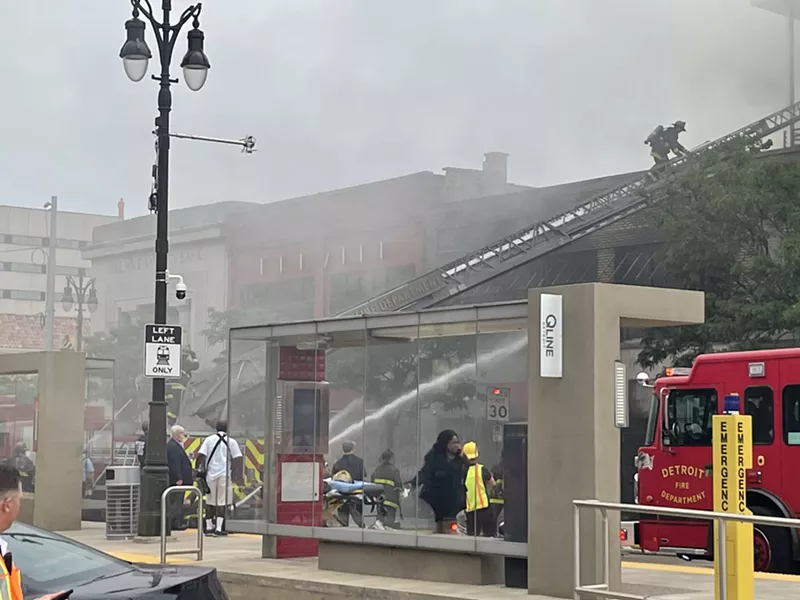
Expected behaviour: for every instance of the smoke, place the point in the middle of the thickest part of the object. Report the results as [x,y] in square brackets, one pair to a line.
[340,93]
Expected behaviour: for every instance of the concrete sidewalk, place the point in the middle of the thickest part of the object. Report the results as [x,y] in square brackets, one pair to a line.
[245,575]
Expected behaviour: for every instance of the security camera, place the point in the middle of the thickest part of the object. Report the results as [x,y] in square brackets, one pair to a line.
[180,286]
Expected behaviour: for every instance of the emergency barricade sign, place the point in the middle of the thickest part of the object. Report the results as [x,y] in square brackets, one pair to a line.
[162,351]
[733,455]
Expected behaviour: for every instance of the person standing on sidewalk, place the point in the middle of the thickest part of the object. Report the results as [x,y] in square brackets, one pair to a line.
[180,473]
[219,464]
[141,445]
[479,482]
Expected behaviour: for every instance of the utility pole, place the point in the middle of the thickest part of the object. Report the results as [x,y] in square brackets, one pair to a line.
[50,298]
[135,55]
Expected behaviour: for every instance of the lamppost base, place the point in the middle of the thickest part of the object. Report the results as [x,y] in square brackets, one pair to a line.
[155,479]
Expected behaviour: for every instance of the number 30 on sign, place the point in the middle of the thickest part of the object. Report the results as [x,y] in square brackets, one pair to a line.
[497,404]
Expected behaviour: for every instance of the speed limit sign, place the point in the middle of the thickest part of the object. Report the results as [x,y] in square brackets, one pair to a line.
[497,404]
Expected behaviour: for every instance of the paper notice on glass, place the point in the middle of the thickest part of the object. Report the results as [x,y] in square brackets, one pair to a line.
[300,482]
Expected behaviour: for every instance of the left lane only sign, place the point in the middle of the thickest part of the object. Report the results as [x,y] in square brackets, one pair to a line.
[162,351]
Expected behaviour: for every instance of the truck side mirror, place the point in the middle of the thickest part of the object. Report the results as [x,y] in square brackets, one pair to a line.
[666,438]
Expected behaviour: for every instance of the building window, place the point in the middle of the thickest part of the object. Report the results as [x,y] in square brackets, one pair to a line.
[758,403]
[41,242]
[24,295]
[639,265]
[287,299]
[18,267]
[348,289]
[791,415]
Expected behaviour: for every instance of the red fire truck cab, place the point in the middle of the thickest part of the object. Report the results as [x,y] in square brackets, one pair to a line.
[674,465]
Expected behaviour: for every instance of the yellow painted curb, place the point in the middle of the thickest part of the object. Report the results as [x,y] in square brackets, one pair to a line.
[144,558]
[703,571]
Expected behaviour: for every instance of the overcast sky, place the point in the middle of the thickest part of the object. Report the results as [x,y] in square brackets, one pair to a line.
[341,92]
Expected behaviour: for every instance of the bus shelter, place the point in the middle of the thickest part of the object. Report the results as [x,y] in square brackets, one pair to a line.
[380,387]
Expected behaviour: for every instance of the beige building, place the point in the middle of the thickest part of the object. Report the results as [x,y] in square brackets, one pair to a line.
[24,246]
[123,260]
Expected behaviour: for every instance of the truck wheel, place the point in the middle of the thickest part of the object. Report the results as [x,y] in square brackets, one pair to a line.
[772,546]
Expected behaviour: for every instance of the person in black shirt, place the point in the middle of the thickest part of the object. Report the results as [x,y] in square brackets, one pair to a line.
[350,462]
[442,480]
[354,466]
[180,473]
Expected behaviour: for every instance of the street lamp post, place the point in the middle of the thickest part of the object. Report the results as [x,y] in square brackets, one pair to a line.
[85,294]
[135,55]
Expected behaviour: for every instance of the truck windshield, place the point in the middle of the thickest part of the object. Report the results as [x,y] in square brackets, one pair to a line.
[689,415]
[652,418]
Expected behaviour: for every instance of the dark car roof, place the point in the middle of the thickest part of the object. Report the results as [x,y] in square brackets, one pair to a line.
[49,562]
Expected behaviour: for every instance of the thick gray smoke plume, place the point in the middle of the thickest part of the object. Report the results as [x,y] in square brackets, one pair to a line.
[342,92]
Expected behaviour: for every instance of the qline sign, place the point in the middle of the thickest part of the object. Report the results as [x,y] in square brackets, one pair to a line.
[550,351]
[162,351]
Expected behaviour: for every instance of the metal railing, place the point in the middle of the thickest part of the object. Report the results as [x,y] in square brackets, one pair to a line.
[199,550]
[601,589]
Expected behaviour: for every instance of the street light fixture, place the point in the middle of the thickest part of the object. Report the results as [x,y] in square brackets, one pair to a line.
[195,63]
[135,55]
[85,294]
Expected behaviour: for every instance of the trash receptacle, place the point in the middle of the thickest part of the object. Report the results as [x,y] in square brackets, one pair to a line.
[122,502]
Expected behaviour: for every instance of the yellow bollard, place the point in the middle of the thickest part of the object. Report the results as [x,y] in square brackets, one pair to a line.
[733,455]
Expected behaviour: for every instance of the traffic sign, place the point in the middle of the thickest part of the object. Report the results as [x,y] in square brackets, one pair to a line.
[162,351]
[497,404]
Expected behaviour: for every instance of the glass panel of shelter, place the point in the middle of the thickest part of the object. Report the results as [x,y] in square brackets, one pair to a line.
[340,397]
[98,446]
[245,414]
[390,429]
[502,367]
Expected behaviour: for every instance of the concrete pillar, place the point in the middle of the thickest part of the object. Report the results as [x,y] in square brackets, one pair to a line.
[57,500]
[574,448]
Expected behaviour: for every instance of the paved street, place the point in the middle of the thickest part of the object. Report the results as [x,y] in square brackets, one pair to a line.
[242,571]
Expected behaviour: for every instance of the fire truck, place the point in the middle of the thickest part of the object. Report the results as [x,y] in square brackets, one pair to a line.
[674,464]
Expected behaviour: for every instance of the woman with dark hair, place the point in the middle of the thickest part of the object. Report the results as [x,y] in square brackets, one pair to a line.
[442,480]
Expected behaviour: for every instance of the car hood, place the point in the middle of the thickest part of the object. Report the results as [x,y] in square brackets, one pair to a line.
[149,581]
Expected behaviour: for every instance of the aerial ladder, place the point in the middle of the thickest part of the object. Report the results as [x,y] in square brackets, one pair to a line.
[546,236]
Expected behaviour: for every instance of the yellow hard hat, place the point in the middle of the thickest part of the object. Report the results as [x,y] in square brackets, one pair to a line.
[470,450]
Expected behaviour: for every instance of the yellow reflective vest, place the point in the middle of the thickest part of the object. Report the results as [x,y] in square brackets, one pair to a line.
[10,582]
[477,498]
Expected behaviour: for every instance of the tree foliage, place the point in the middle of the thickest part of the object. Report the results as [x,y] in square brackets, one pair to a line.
[125,344]
[732,229]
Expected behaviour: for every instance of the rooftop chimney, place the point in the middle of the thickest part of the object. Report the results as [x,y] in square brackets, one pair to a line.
[121,209]
[495,172]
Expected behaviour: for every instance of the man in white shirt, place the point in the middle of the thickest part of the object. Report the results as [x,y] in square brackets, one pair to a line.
[221,460]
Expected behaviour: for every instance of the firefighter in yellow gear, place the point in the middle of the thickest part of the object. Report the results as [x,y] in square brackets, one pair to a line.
[478,483]
[388,475]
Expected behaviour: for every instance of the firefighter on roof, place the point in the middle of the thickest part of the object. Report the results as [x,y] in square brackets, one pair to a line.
[665,140]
